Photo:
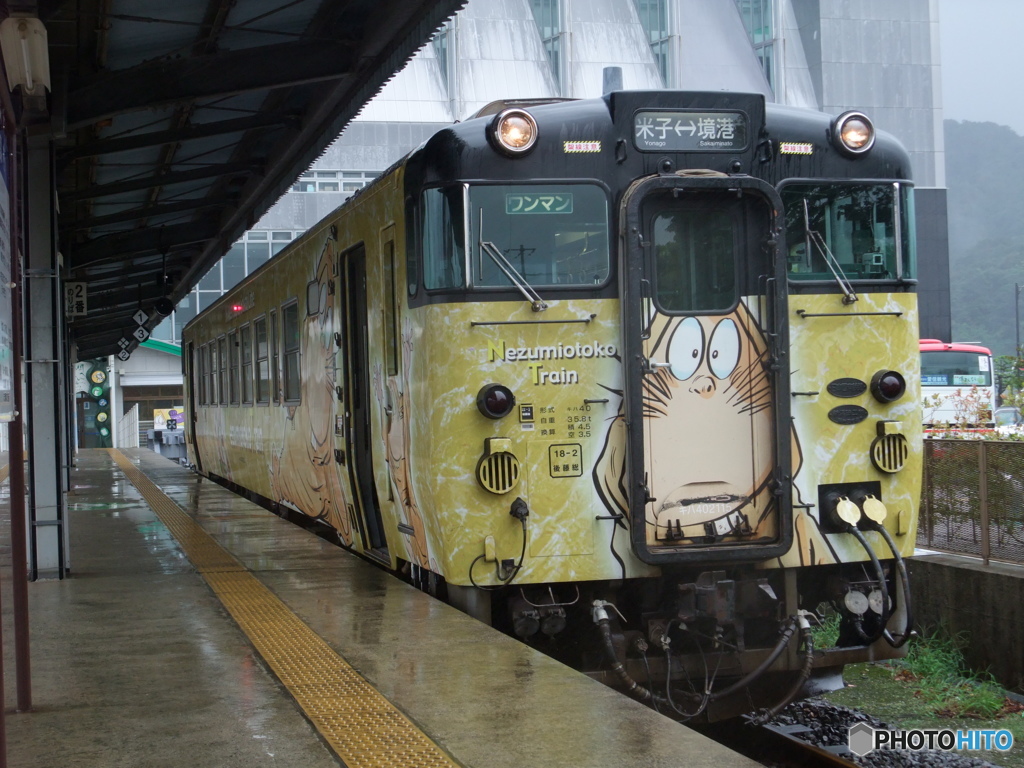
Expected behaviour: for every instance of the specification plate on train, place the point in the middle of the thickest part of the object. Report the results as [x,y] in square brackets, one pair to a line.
[686,131]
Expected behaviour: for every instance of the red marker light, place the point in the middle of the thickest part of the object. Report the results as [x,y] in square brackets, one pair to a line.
[888,386]
[495,401]
[237,308]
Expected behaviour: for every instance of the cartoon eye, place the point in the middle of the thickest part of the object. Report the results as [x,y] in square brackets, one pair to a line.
[724,349]
[686,348]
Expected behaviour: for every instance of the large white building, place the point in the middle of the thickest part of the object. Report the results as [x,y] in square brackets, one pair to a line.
[878,56]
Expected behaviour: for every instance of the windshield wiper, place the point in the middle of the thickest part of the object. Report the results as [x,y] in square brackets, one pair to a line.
[536,302]
[849,295]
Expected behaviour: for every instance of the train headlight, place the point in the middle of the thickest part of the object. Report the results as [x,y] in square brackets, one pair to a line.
[888,386]
[495,401]
[854,133]
[514,132]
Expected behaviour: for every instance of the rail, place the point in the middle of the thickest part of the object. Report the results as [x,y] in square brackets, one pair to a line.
[972,500]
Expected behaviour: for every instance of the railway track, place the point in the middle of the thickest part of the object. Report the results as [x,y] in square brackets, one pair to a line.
[786,745]
[815,733]
[781,745]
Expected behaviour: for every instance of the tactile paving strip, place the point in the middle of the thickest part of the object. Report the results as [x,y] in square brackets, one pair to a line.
[360,725]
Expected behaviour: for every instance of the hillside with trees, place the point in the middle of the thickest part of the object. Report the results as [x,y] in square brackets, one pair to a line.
[984,168]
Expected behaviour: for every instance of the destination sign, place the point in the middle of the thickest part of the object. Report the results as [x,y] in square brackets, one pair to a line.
[686,131]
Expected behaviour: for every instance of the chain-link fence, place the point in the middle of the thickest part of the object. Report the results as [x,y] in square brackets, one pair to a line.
[973,498]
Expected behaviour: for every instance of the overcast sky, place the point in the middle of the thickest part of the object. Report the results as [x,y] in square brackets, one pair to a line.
[981,53]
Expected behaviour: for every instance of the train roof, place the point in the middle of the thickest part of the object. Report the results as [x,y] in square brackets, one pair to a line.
[606,127]
[935,345]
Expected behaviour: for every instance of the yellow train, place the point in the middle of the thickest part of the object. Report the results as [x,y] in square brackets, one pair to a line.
[633,378]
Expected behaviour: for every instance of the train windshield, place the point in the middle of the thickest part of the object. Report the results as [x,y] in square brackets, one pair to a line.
[849,231]
[550,234]
[955,369]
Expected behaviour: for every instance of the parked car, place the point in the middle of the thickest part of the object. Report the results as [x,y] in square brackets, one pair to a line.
[1008,421]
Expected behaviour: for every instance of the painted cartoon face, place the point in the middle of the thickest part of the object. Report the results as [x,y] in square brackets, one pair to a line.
[708,426]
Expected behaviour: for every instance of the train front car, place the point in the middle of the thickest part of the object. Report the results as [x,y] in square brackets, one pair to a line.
[661,400]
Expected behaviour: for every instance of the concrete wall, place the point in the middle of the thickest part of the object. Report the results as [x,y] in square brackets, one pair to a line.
[933,264]
[986,603]
[881,56]
[149,368]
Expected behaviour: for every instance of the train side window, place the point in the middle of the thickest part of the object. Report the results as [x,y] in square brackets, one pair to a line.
[222,380]
[412,272]
[855,229]
[233,361]
[390,310]
[211,356]
[550,234]
[204,374]
[275,369]
[205,364]
[444,237]
[290,321]
[262,361]
[246,338]
[196,382]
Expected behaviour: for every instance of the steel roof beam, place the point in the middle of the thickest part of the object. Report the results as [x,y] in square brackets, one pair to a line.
[139,241]
[146,212]
[160,180]
[127,299]
[170,81]
[120,281]
[157,138]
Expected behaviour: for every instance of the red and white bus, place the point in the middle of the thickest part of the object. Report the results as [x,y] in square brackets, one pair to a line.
[957,383]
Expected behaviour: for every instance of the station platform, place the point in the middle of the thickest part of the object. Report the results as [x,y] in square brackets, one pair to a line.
[197,629]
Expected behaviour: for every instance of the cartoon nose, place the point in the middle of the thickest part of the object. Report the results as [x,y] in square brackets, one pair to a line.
[703,386]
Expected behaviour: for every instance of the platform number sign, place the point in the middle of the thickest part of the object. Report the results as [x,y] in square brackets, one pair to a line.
[76,300]
[141,333]
[123,355]
[140,317]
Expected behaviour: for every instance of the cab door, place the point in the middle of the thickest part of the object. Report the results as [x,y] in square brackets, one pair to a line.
[196,376]
[706,382]
[356,395]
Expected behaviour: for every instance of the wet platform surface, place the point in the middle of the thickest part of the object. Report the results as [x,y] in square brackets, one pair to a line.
[137,662]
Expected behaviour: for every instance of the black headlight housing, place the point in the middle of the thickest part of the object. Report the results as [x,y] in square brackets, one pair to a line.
[495,401]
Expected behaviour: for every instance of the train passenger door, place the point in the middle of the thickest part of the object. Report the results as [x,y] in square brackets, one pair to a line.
[706,383]
[196,381]
[357,398]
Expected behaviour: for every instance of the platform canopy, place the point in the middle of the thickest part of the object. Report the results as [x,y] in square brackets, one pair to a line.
[177,123]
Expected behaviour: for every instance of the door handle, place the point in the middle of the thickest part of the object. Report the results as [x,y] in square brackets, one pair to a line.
[651,365]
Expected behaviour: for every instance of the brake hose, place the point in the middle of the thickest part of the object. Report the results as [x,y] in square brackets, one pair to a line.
[900,639]
[645,695]
[765,715]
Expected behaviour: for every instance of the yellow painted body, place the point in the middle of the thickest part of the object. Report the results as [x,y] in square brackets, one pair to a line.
[426,367]
[853,345]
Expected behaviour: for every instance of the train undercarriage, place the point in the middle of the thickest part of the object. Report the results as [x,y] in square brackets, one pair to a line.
[702,645]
